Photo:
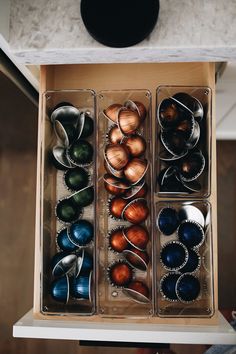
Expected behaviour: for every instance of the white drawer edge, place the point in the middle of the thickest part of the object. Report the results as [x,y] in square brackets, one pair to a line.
[27,327]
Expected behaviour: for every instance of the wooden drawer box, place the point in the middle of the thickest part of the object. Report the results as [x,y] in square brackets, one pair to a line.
[119,77]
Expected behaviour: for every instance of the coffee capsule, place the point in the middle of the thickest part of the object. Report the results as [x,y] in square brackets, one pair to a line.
[59,158]
[190,212]
[66,114]
[174,255]
[167,221]
[190,103]
[128,121]
[63,242]
[87,126]
[138,190]
[60,289]
[84,263]
[137,236]
[116,206]
[194,262]
[81,287]
[83,197]
[191,166]
[137,291]
[168,284]
[135,170]
[136,258]
[136,145]
[174,142]
[117,156]
[66,211]
[81,233]
[62,263]
[117,240]
[115,185]
[137,106]
[112,111]
[168,114]
[187,288]
[76,179]
[136,211]
[114,135]
[120,274]
[190,233]
[80,153]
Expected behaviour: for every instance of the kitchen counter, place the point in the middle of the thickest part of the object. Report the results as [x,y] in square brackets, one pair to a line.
[52,32]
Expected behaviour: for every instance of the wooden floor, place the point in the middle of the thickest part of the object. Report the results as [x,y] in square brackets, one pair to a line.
[18,118]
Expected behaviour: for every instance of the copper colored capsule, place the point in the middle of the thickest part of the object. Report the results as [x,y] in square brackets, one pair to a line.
[137,106]
[114,135]
[117,156]
[128,121]
[110,170]
[137,236]
[136,258]
[116,207]
[135,170]
[136,145]
[117,241]
[136,211]
[141,109]
[111,112]
[114,185]
[120,274]
[138,191]
[138,291]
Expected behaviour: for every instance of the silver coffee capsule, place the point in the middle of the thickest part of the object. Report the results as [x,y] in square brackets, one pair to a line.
[61,133]
[190,212]
[60,159]
[65,115]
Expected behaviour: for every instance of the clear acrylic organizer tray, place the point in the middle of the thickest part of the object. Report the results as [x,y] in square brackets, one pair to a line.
[169,186]
[203,306]
[112,301]
[54,189]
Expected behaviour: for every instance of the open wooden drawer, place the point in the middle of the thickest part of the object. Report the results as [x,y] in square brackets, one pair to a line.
[120,77]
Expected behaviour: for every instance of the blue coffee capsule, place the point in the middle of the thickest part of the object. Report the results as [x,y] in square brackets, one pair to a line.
[167,221]
[174,255]
[60,289]
[64,242]
[84,263]
[193,263]
[81,287]
[167,286]
[190,233]
[187,288]
[81,233]
[62,263]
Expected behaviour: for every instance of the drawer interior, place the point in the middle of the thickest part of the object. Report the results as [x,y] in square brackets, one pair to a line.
[121,77]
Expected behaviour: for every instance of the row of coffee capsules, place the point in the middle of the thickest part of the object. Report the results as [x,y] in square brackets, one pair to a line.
[180,257]
[126,168]
[72,266]
[180,118]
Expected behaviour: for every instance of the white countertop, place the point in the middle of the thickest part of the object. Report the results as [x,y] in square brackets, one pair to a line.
[52,32]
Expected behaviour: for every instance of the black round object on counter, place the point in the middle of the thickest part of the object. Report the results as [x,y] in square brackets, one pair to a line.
[119,23]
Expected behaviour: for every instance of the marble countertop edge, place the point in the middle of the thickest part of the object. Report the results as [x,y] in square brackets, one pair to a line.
[122,55]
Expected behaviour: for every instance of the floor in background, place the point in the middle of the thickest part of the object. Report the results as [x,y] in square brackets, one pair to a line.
[18,119]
